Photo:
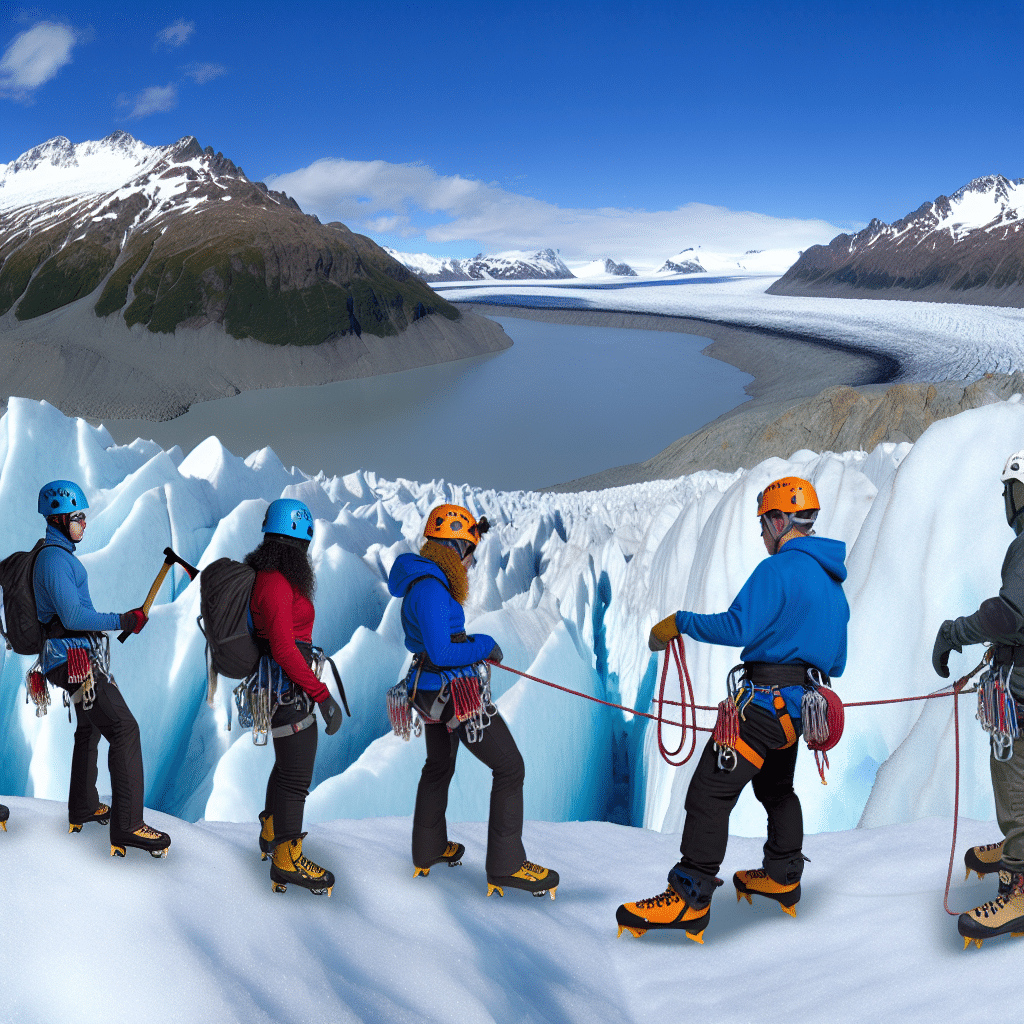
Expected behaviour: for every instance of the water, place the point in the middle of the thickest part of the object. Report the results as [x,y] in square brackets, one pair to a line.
[565,401]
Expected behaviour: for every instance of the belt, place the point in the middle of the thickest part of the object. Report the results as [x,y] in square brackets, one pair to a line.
[294,727]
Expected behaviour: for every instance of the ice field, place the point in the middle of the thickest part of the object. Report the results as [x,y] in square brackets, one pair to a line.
[931,340]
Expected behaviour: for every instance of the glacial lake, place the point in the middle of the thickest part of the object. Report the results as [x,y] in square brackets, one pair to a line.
[565,401]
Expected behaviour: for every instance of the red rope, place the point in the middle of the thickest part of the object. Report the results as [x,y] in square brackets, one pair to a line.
[679,653]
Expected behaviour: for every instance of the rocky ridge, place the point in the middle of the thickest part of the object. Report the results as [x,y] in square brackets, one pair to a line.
[513,265]
[967,247]
[838,419]
[178,237]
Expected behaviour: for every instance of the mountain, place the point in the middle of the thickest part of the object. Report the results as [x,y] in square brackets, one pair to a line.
[177,236]
[504,266]
[967,247]
[753,261]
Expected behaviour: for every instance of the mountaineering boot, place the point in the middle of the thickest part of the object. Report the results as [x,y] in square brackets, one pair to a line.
[289,866]
[666,910]
[101,815]
[984,859]
[452,856]
[266,834]
[531,877]
[997,917]
[145,838]
[758,881]
[4,815]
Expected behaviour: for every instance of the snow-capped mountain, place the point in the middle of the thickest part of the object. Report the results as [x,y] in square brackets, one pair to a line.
[753,261]
[602,268]
[177,236]
[967,247]
[504,266]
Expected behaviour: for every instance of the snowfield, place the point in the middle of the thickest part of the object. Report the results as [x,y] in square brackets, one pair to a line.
[569,585]
[201,937]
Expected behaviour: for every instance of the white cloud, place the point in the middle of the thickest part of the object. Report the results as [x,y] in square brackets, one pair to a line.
[405,199]
[175,34]
[154,100]
[34,57]
[203,73]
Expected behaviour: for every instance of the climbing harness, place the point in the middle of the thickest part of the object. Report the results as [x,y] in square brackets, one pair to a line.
[468,689]
[84,665]
[258,697]
[731,711]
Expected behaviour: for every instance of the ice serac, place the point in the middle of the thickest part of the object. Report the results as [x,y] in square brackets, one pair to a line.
[966,248]
[155,265]
[568,584]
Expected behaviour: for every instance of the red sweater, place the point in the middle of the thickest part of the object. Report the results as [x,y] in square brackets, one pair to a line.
[281,616]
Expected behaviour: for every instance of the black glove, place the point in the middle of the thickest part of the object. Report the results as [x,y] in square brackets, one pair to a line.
[134,620]
[331,714]
[496,654]
[944,643]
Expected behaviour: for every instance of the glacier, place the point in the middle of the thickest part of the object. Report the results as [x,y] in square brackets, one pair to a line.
[569,585]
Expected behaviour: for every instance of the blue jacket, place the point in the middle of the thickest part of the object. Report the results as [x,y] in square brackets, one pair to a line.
[791,609]
[61,587]
[430,616]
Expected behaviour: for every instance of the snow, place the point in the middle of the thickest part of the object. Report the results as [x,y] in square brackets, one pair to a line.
[931,340]
[199,936]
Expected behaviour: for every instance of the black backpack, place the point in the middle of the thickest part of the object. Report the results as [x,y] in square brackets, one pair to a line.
[23,631]
[225,589]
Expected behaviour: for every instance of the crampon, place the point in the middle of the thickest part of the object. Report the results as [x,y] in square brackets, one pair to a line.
[101,816]
[758,882]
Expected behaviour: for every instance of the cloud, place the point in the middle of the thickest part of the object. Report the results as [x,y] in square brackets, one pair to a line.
[203,73]
[34,57]
[413,200]
[176,34]
[154,100]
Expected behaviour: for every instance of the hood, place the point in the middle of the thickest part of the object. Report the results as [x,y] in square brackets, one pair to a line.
[407,569]
[828,553]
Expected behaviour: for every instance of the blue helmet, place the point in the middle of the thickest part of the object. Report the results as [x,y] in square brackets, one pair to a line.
[289,518]
[61,496]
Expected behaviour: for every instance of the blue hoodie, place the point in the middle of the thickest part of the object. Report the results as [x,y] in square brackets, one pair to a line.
[791,609]
[61,587]
[430,617]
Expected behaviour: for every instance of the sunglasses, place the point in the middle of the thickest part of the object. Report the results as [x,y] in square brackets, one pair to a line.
[77,517]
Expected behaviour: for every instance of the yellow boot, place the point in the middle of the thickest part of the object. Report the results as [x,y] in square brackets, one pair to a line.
[666,910]
[289,866]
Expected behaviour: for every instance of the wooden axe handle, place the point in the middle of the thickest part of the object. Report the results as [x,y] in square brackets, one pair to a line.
[150,597]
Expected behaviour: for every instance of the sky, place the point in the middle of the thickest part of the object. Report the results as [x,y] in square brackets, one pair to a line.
[629,130]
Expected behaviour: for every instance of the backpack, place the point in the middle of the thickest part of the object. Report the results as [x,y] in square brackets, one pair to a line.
[23,631]
[225,589]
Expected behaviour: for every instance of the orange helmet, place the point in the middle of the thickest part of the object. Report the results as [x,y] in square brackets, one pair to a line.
[452,522]
[790,494]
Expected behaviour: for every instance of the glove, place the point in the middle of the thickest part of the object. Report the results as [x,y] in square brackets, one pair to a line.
[134,620]
[662,633]
[944,643]
[496,654]
[331,714]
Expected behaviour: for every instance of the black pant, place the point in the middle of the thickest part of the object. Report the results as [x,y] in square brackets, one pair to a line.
[110,718]
[713,794]
[288,785]
[497,749]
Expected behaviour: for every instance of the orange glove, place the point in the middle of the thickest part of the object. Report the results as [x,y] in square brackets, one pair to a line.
[662,633]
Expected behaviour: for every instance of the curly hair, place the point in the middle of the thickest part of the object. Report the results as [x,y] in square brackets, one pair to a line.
[291,561]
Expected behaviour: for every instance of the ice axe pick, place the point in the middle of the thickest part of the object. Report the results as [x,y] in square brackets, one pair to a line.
[170,558]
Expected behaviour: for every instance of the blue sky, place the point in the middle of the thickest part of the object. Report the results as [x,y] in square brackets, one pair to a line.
[624,129]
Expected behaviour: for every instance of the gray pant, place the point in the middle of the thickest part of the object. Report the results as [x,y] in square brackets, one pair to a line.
[1008,789]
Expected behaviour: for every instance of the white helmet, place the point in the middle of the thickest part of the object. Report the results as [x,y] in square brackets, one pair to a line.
[1013,488]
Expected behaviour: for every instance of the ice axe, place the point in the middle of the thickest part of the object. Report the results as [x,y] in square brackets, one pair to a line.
[170,558]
